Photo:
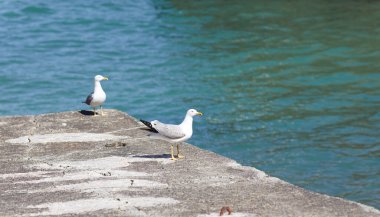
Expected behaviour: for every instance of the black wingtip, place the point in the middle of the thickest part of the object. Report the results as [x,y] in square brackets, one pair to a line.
[148,124]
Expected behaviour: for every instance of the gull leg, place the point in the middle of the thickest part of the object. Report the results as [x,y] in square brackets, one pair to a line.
[172,152]
[101,111]
[178,154]
[95,112]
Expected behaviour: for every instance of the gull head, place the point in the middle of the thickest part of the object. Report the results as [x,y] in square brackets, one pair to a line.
[100,78]
[193,112]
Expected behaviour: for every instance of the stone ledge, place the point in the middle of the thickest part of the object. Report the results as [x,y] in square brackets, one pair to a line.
[70,163]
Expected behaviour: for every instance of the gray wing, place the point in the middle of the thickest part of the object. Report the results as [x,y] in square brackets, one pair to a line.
[89,98]
[169,130]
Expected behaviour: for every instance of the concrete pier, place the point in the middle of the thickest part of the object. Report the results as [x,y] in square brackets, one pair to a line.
[72,163]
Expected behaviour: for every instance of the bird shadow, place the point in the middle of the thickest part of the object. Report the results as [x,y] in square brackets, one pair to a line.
[153,156]
[86,112]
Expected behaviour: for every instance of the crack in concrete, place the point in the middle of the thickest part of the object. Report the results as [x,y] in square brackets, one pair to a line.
[31,133]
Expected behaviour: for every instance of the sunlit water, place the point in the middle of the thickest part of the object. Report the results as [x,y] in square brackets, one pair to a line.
[290,88]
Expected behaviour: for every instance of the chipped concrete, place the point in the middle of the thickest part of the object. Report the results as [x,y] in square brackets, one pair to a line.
[66,137]
[111,162]
[89,175]
[20,175]
[90,205]
[73,164]
[233,214]
[104,185]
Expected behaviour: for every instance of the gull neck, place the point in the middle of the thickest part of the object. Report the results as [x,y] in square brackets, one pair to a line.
[97,86]
[187,121]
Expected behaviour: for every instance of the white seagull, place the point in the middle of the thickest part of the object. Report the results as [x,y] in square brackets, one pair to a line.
[98,96]
[174,133]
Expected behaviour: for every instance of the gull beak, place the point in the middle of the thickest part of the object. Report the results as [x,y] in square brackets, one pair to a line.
[105,78]
[199,113]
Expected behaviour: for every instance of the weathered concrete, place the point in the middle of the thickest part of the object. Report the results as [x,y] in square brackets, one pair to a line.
[70,163]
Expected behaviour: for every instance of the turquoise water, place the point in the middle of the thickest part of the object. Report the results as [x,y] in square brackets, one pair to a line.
[291,88]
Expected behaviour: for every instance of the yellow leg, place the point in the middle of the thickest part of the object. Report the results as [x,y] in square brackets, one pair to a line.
[101,111]
[172,152]
[178,154]
[95,112]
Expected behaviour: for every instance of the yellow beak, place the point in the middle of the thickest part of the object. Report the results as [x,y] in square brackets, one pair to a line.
[199,113]
[105,78]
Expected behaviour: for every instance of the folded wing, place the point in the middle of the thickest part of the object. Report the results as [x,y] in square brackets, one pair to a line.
[169,130]
[89,98]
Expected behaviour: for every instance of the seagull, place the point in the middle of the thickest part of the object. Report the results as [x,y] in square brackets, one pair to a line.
[98,96]
[173,133]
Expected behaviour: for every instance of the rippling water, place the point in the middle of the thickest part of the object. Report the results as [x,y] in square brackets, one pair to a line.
[292,88]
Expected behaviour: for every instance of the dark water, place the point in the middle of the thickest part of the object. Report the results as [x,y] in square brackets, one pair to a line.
[289,87]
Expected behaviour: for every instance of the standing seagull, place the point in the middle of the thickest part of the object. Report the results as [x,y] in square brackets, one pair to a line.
[98,96]
[174,133]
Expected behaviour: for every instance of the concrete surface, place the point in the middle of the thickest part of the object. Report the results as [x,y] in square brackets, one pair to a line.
[72,163]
